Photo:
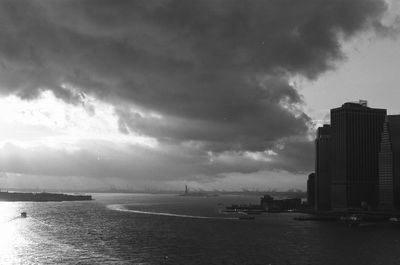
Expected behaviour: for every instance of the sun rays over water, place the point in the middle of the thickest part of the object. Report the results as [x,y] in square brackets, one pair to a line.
[12,233]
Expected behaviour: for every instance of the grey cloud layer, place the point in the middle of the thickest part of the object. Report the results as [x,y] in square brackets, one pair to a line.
[131,162]
[217,71]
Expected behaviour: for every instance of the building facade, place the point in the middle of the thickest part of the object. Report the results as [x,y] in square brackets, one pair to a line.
[389,165]
[356,136]
[311,190]
[386,188]
[323,169]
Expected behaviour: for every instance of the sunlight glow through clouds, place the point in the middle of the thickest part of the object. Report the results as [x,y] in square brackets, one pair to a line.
[76,139]
[50,121]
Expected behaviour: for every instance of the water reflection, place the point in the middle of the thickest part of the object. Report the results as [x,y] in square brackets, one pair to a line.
[93,233]
[12,240]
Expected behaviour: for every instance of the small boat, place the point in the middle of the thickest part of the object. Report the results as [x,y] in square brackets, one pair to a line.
[253,212]
[23,215]
[352,220]
[244,216]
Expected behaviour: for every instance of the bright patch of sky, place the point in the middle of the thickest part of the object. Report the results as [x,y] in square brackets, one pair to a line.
[50,121]
[370,72]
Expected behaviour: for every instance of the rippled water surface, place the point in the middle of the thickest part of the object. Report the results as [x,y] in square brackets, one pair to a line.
[168,229]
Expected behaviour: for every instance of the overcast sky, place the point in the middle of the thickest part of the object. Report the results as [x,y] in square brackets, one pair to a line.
[157,94]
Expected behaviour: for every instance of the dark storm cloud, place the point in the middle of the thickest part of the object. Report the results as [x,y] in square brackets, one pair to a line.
[216,71]
[297,156]
[236,128]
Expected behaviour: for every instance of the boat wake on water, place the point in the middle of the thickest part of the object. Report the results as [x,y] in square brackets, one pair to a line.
[122,208]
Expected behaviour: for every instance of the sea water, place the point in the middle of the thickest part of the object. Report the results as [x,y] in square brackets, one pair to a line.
[170,229]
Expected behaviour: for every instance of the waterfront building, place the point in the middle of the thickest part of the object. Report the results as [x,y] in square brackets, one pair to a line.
[389,165]
[311,190]
[323,169]
[356,136]
[268,203]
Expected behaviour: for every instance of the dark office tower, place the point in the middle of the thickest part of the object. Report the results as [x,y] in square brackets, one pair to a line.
[389,165]
[356,135]
[311,190]
[386,201]
[323,169]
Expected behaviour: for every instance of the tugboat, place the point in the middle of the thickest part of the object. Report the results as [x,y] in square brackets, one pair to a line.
[23,215]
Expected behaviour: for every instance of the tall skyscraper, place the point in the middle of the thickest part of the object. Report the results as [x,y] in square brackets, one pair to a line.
[389,165]
[323,169]
[311,190]
[356,135]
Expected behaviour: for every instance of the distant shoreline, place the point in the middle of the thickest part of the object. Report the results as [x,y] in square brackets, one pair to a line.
[297,194]
[41,197]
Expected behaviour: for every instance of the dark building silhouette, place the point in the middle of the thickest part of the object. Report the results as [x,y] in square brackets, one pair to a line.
[269,204]
[389,164]
[323,169]
[356,136]
[311,190]
[386,188]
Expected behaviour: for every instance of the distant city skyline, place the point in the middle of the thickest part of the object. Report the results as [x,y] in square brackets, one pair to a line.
[159,94]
